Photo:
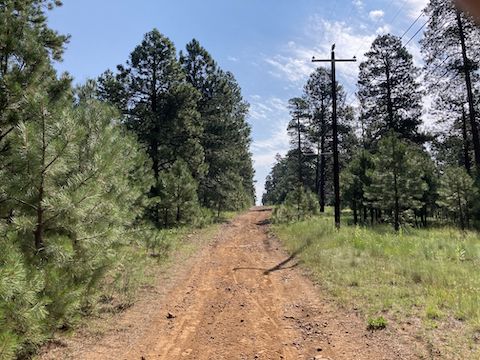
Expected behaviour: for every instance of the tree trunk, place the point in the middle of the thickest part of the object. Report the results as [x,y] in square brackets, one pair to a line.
[391,124]
[466,143]
[317,172]
[462,222]
[355,212]
[468,83]
[40,228]
[397,205]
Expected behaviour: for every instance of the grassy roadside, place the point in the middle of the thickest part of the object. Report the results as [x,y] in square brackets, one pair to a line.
[425,276]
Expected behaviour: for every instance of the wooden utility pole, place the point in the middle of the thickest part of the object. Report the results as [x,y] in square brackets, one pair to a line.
[336,164]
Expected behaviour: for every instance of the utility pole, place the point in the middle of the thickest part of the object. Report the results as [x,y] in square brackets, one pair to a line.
[336,164]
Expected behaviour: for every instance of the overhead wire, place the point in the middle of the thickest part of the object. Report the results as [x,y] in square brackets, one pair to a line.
[413,24]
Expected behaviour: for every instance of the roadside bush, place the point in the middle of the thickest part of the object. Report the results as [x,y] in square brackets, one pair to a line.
[299,204]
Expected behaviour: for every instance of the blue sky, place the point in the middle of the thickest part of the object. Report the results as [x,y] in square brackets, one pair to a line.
[267,44]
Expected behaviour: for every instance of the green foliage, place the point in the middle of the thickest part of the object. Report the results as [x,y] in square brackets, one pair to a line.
[185,110]
[281,180]
[178,195]
[355,180]
[73,200]
[309,162]
[80,169]
[389,93]
[378,323]
[457,194]
[22,309]
[397,186]
[299,204]
[28,46]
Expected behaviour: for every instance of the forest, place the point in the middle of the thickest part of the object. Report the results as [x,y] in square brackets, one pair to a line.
[87,170]
[394,169]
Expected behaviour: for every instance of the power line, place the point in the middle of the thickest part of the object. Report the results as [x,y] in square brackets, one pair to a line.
[426,22]
[398,13]
[443,75]
[413,24]
[432,72]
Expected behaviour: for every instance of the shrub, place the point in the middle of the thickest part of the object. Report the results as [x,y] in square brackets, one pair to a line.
[378,323]
[299,204]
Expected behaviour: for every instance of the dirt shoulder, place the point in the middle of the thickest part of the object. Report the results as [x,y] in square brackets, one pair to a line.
[240,297]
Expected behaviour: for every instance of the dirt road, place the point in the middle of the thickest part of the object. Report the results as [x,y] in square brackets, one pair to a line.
[241,297]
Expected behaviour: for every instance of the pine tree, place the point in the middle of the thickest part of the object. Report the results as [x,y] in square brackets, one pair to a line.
[226,134]
[298,132]
[77,182]
[355,180]
[389,93]
[457,194]
[451,115]
[452,56]
[160,107]
[27,48]
[397,185]
[281,180]
[178,195]
[318,92]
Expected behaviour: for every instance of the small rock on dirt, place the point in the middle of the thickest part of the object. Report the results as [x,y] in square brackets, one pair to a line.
[170,316]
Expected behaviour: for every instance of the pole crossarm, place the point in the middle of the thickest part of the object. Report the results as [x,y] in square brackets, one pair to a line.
[354,59]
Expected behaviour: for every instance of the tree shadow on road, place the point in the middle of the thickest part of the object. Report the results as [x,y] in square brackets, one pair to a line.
[279,266]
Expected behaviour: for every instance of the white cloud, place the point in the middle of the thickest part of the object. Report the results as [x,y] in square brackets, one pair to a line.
[232,58]
[294,62]
[385,29]
[415,7]
[358,4]
[272,108]
[376,14]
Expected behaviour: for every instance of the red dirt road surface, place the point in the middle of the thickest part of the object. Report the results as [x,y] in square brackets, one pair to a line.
[240,297]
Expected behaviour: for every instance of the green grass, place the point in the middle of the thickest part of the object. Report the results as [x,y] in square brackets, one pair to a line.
[431,274]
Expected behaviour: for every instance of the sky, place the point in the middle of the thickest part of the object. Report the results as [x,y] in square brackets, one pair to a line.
[267,44]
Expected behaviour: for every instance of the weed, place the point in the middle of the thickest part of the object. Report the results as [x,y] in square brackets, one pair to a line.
[378,323]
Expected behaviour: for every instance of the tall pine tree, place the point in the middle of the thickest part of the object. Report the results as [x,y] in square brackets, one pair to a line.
[389,92]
